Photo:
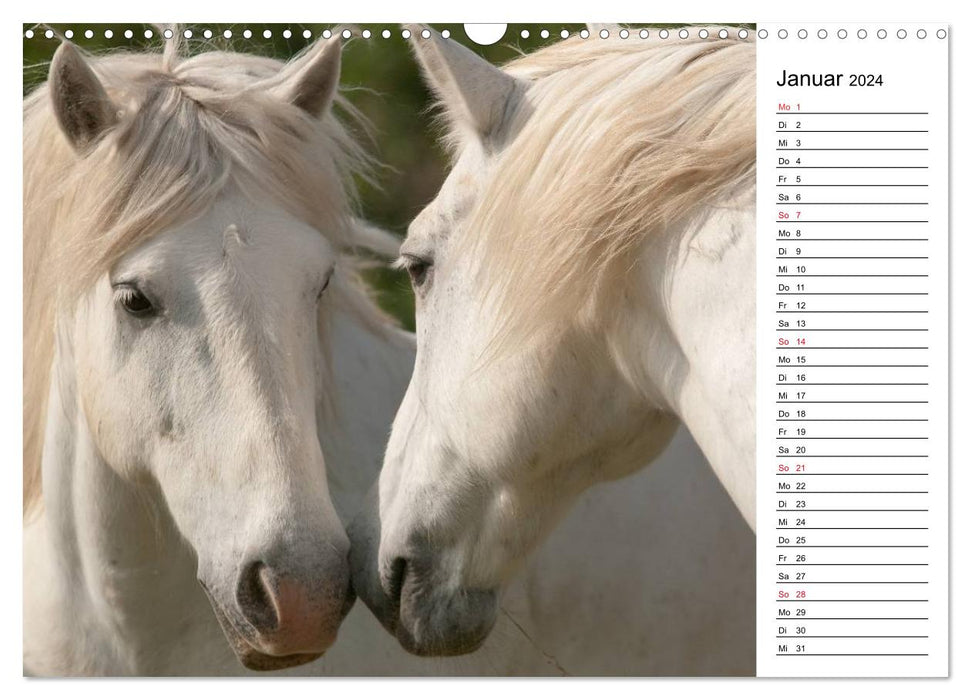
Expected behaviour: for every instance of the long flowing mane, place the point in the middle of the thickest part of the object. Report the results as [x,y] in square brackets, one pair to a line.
[614,141]
[188,128]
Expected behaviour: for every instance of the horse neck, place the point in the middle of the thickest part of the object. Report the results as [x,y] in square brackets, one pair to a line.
[689,343]
[371,364]
[110,587]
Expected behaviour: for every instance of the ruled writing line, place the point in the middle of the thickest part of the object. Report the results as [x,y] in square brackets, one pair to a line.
[800,113]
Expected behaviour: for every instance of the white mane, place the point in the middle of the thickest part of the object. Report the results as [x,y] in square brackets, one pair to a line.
[614,141]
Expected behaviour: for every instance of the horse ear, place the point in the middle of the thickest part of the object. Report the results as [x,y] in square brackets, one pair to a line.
[81,105]
[310,82]
[473,91]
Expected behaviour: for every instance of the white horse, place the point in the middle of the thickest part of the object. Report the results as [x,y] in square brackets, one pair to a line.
[584,283]
[197,346]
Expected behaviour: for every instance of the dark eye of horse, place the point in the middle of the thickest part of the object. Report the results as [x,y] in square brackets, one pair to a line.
[326,284]
[418,269]
[134,302]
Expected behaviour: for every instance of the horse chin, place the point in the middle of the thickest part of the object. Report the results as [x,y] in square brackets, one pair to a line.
[432,646]
[258,661]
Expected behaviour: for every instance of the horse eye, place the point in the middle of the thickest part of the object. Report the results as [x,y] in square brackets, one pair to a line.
[418,269]
[134,302]
[325,286]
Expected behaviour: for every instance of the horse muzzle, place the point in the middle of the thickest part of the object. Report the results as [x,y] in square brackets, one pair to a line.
[434,620]
[275,621]
[426,618]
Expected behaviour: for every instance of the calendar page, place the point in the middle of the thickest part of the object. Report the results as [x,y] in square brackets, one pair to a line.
[853,244]
[546,349]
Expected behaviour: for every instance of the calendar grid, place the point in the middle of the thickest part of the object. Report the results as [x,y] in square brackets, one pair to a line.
[852,438]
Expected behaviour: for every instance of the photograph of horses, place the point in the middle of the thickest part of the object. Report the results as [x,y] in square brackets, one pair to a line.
[376,351]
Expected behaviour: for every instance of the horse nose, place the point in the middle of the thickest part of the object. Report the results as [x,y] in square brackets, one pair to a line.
[289,616]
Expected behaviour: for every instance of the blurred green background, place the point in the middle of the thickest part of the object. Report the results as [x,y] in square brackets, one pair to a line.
[379,77]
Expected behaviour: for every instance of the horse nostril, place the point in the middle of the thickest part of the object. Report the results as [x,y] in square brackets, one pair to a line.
[396,579]
[255,598]
[350,597]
